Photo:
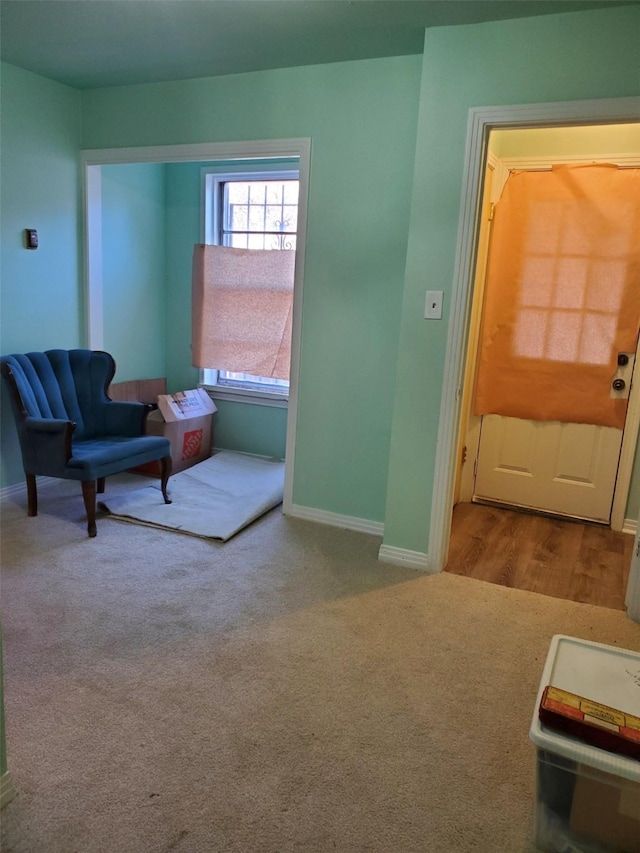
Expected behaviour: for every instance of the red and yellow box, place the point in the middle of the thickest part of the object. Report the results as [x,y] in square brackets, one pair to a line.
[591,722]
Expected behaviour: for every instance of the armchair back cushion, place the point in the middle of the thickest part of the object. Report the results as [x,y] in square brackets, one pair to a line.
[66,385]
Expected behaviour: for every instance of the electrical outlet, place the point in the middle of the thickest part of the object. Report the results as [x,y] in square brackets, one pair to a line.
[433,305]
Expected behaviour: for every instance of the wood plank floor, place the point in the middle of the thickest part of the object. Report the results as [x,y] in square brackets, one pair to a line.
[551,556]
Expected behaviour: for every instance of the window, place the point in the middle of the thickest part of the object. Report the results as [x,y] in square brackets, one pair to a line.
[259,214]
[250,210]
[571,287]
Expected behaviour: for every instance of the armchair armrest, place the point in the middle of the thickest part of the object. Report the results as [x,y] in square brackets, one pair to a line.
[49,425]
[47,448]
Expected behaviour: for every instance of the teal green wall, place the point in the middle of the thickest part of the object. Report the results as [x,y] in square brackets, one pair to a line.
[557,58]
[361,117]
[183,231]
[133,252]
[248,428]
[40,290]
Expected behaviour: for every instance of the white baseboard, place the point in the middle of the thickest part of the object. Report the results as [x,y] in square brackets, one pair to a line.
[630,526]
[15,491]
[7,789]
[18,490]
[334,519]
[409,559]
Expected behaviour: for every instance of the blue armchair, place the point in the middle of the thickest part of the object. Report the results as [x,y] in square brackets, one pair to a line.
[69,428]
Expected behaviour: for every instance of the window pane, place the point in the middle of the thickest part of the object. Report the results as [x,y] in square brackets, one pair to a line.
[228,377]
[257,218]
[564,336]
[598,338]
[237,217]
[237,192]
[255,241]
[291,189]
[536,281]
[571,282]
[275,192]
[530,333]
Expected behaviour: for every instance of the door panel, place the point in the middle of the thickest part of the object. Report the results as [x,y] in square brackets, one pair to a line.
[568,469]
[577,454]
[518,451]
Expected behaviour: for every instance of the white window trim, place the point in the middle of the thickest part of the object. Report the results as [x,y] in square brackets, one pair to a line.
[275,399]
[211,179]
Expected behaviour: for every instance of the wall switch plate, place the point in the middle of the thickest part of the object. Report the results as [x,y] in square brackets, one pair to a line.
[433,305]
[31,238]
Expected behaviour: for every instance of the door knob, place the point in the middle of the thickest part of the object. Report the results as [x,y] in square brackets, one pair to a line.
[618,384]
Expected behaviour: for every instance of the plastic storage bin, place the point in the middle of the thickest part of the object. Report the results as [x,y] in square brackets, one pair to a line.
[587,799]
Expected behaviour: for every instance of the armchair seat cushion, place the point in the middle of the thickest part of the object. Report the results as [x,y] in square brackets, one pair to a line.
[101,457]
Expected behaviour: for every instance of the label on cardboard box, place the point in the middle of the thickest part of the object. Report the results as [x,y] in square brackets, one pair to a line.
[192,444]
[185,404]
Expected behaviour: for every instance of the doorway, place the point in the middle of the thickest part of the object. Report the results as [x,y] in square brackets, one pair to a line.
[575,561]
[482,120]
[489,540]
[93,162]
[569,469]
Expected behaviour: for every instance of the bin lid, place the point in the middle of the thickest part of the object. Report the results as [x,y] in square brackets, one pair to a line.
[606,674]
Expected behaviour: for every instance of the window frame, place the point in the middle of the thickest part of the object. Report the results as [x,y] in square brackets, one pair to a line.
[212,213]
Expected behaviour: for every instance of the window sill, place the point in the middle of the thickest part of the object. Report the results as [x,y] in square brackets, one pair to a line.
[244,395]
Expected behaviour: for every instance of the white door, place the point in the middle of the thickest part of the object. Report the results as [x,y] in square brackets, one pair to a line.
[568,469]
[564,468]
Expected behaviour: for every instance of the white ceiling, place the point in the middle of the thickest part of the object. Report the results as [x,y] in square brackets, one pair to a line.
[94,43]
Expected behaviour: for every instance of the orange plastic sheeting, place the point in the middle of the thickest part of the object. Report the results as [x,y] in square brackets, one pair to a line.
[562,295]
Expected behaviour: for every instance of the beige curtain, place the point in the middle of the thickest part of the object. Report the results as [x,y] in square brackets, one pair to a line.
[562,295]
[242,302]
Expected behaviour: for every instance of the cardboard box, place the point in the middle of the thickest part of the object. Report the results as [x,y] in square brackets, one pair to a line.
[606,809]
[138,390]
[186,419]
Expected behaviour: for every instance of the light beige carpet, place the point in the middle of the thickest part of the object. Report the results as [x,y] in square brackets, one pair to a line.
[282,692]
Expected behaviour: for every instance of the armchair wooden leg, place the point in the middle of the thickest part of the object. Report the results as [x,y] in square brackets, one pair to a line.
[32,495]
[166,466]
[89,496]
[100,488]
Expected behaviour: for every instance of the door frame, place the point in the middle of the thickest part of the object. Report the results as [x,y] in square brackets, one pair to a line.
[92,161]
[481,120]
[632,599]
[469,432]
